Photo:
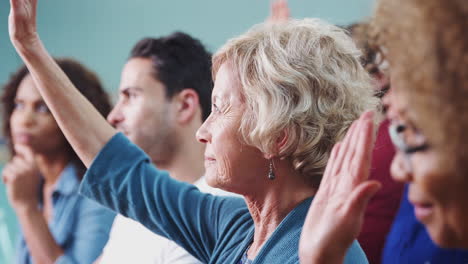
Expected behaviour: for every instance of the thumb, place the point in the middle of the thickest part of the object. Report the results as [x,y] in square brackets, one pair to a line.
[362,194]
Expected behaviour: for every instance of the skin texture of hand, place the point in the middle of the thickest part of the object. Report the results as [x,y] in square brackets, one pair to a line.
[335,217]
[22,23]
[22,179]
[279,11]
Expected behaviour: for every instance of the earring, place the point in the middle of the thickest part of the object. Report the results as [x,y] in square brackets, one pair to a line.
[271,173]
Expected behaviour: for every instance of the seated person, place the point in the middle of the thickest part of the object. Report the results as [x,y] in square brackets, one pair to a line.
[283,95]
[42,178]
[426,45]
[161,75]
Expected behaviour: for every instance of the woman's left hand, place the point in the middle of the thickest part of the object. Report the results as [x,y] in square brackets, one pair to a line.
[22,23]
[336,214]
[22,179]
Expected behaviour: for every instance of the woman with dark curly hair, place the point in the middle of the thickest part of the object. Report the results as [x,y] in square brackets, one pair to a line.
[42,177]
[426,44]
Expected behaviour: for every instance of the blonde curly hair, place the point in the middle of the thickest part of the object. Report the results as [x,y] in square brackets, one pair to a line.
[302,79]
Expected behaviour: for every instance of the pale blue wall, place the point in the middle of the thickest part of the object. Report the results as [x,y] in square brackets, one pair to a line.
[100,33]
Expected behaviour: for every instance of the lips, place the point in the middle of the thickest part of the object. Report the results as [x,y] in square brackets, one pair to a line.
[22,138]
[209,160]
[423,210]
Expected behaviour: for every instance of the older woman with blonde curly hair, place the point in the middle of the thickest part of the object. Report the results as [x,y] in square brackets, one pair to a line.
[426,44]
[283,95]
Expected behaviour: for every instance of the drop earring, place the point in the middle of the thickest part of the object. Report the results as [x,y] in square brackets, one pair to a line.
[271,172]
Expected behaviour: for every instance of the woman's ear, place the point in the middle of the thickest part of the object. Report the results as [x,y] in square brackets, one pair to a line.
[279,145]
[281,140]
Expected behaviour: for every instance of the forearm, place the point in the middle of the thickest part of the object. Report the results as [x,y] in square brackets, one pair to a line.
[39,240]
[83,126]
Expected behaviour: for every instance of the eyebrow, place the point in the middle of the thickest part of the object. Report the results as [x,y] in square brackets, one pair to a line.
[131,88]
[39,101]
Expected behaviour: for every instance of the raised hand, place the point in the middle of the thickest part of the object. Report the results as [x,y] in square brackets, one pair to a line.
[336,214]
[22,179]
[22,22]
[279,11]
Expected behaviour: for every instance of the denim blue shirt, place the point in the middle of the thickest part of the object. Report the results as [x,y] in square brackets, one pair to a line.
[213,229]
[80,226]
[409,242]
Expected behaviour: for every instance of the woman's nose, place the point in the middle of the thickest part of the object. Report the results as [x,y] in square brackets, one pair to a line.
[202,134]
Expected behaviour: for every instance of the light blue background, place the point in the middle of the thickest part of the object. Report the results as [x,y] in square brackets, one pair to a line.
[100,34]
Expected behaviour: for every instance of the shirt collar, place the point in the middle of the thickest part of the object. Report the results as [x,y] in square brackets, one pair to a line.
[68,182]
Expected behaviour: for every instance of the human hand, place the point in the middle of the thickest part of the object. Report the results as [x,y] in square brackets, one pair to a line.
[335,217]
[22,23]
[21,177]
[279,11]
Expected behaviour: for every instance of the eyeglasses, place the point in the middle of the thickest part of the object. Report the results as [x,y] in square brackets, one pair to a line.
[396,132]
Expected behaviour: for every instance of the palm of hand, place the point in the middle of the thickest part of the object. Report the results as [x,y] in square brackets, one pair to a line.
[22,19]
[336,214]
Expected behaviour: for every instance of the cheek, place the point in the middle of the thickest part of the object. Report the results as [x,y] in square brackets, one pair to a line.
[431,177]
[52,131]
[230,164]
[13,122]
[130,114]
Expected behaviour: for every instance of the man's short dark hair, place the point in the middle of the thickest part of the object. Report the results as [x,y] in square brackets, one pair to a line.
[179,62]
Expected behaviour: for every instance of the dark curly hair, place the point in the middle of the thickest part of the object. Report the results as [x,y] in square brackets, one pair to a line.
[427,47]
[84,80]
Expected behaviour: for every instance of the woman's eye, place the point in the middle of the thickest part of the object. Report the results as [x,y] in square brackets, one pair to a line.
[214,108]
[132,95]
[18,106]
[42,108]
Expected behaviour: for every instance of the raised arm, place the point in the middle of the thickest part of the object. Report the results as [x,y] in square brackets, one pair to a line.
[335,217]
[279,11]
[83,126]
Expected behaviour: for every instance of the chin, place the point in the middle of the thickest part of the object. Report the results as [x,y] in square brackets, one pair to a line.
[212,181]
[446,237]
[215,181]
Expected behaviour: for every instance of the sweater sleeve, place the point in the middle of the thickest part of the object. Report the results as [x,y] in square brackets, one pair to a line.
[123,179]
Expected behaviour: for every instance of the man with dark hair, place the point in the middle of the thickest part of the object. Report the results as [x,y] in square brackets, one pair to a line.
[164,97]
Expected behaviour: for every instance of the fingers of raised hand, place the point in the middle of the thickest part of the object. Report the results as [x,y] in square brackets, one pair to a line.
[25,7]
[279,11]
[364,145]
[340,161]
[22,21]
[360,197]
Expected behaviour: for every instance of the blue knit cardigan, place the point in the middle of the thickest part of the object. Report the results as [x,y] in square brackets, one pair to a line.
[214,229]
